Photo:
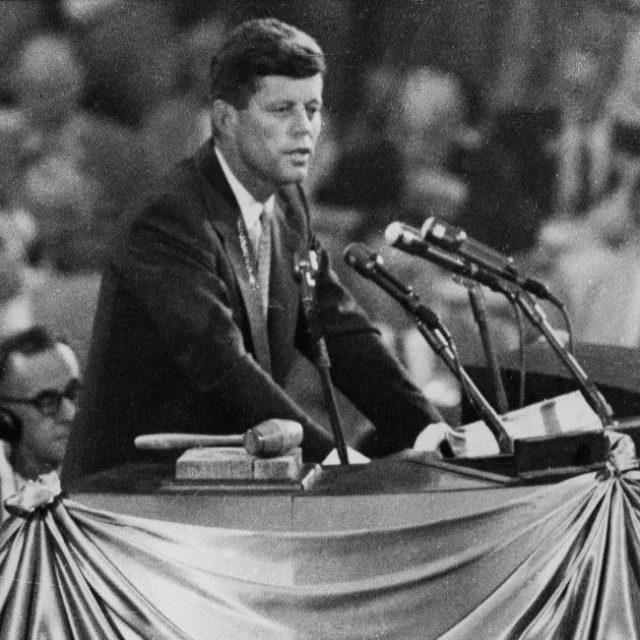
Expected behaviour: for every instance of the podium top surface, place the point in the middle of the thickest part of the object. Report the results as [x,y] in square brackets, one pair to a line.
[392,492]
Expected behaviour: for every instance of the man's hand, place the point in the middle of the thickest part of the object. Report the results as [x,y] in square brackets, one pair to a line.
[434,436]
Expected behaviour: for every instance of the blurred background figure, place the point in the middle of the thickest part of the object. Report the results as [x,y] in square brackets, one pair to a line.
[587,251]
[17,230]
[48,85]
[582,148]
[180,121]
[600,281]
[431,131]
[78,170]
[365,178]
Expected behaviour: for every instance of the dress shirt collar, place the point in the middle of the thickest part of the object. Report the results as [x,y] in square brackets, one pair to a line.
[249,206]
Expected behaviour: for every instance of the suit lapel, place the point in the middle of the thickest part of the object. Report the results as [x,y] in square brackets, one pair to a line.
[224,214]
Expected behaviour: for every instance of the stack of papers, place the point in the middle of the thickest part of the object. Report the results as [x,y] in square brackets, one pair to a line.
[563,414]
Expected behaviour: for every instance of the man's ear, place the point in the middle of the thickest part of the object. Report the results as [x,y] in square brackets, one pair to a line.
[223,117]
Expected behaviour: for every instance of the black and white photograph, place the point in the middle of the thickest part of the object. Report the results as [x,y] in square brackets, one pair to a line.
[319,320]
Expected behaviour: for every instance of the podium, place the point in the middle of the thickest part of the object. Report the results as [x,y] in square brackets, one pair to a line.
[401,546]
[614,370]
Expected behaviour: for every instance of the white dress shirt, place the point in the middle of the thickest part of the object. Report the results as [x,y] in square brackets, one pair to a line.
[249,206]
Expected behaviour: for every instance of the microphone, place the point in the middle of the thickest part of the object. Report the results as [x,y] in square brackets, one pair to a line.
[370,265]
[409,239]
[455,239]
[306,267]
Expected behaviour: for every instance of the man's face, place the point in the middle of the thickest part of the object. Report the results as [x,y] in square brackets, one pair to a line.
[273,139]
[43,439]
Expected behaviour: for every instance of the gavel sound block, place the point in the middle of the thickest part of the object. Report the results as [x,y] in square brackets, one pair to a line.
[270,452]
[235,463]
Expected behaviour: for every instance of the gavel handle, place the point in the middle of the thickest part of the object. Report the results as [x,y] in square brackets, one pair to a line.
[168,441]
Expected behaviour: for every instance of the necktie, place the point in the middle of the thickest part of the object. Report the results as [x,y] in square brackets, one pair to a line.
[254,233]
[263,258]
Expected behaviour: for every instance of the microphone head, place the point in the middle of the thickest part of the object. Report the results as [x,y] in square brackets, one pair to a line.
[399,233]
[393,233]
[439,230]
[359,257]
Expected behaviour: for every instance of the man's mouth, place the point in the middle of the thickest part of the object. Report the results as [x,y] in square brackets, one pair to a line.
[301,154]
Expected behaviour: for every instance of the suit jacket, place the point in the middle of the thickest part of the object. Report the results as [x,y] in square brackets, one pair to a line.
[179,343]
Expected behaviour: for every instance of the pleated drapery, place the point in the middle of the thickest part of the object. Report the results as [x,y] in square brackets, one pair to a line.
[559,562]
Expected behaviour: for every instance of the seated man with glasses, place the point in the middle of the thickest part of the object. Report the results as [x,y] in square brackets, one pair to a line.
[39,389]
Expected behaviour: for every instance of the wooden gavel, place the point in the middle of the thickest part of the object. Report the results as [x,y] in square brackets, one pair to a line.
[268,439]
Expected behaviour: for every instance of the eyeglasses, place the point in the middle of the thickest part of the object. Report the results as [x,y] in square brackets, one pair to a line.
[49,401]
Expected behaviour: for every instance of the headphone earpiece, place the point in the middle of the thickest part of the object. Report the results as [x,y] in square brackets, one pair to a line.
[10,425]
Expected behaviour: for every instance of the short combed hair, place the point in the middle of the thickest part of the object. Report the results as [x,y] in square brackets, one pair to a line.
[28,342]
[258,48]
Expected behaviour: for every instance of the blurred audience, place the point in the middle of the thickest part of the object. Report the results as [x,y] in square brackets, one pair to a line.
[366,173]
[101,96]
[77,170]
[180,122]
[431,128]
[588,250]
[582,148]
[598,280]
[17,230]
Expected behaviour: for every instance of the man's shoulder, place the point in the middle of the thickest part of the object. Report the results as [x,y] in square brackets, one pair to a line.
[167,204]
[181,180]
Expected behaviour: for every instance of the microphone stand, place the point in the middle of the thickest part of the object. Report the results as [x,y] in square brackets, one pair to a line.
[441,346]
[538,318]
[476,299]
[486,412]
[515,289]
[438,339]
[306,269]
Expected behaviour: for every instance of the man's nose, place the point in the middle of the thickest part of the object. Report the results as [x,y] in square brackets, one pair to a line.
[301,120]
[67,411]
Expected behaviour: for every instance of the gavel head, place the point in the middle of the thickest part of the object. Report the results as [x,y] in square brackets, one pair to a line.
[273,438]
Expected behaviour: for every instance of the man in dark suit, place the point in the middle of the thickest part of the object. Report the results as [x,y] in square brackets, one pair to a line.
[191,334]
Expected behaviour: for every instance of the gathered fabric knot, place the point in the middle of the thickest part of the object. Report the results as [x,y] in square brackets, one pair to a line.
[622,455]
[34,495]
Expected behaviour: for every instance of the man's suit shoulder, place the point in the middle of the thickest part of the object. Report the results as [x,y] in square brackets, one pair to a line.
[174,192]
[180,184]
